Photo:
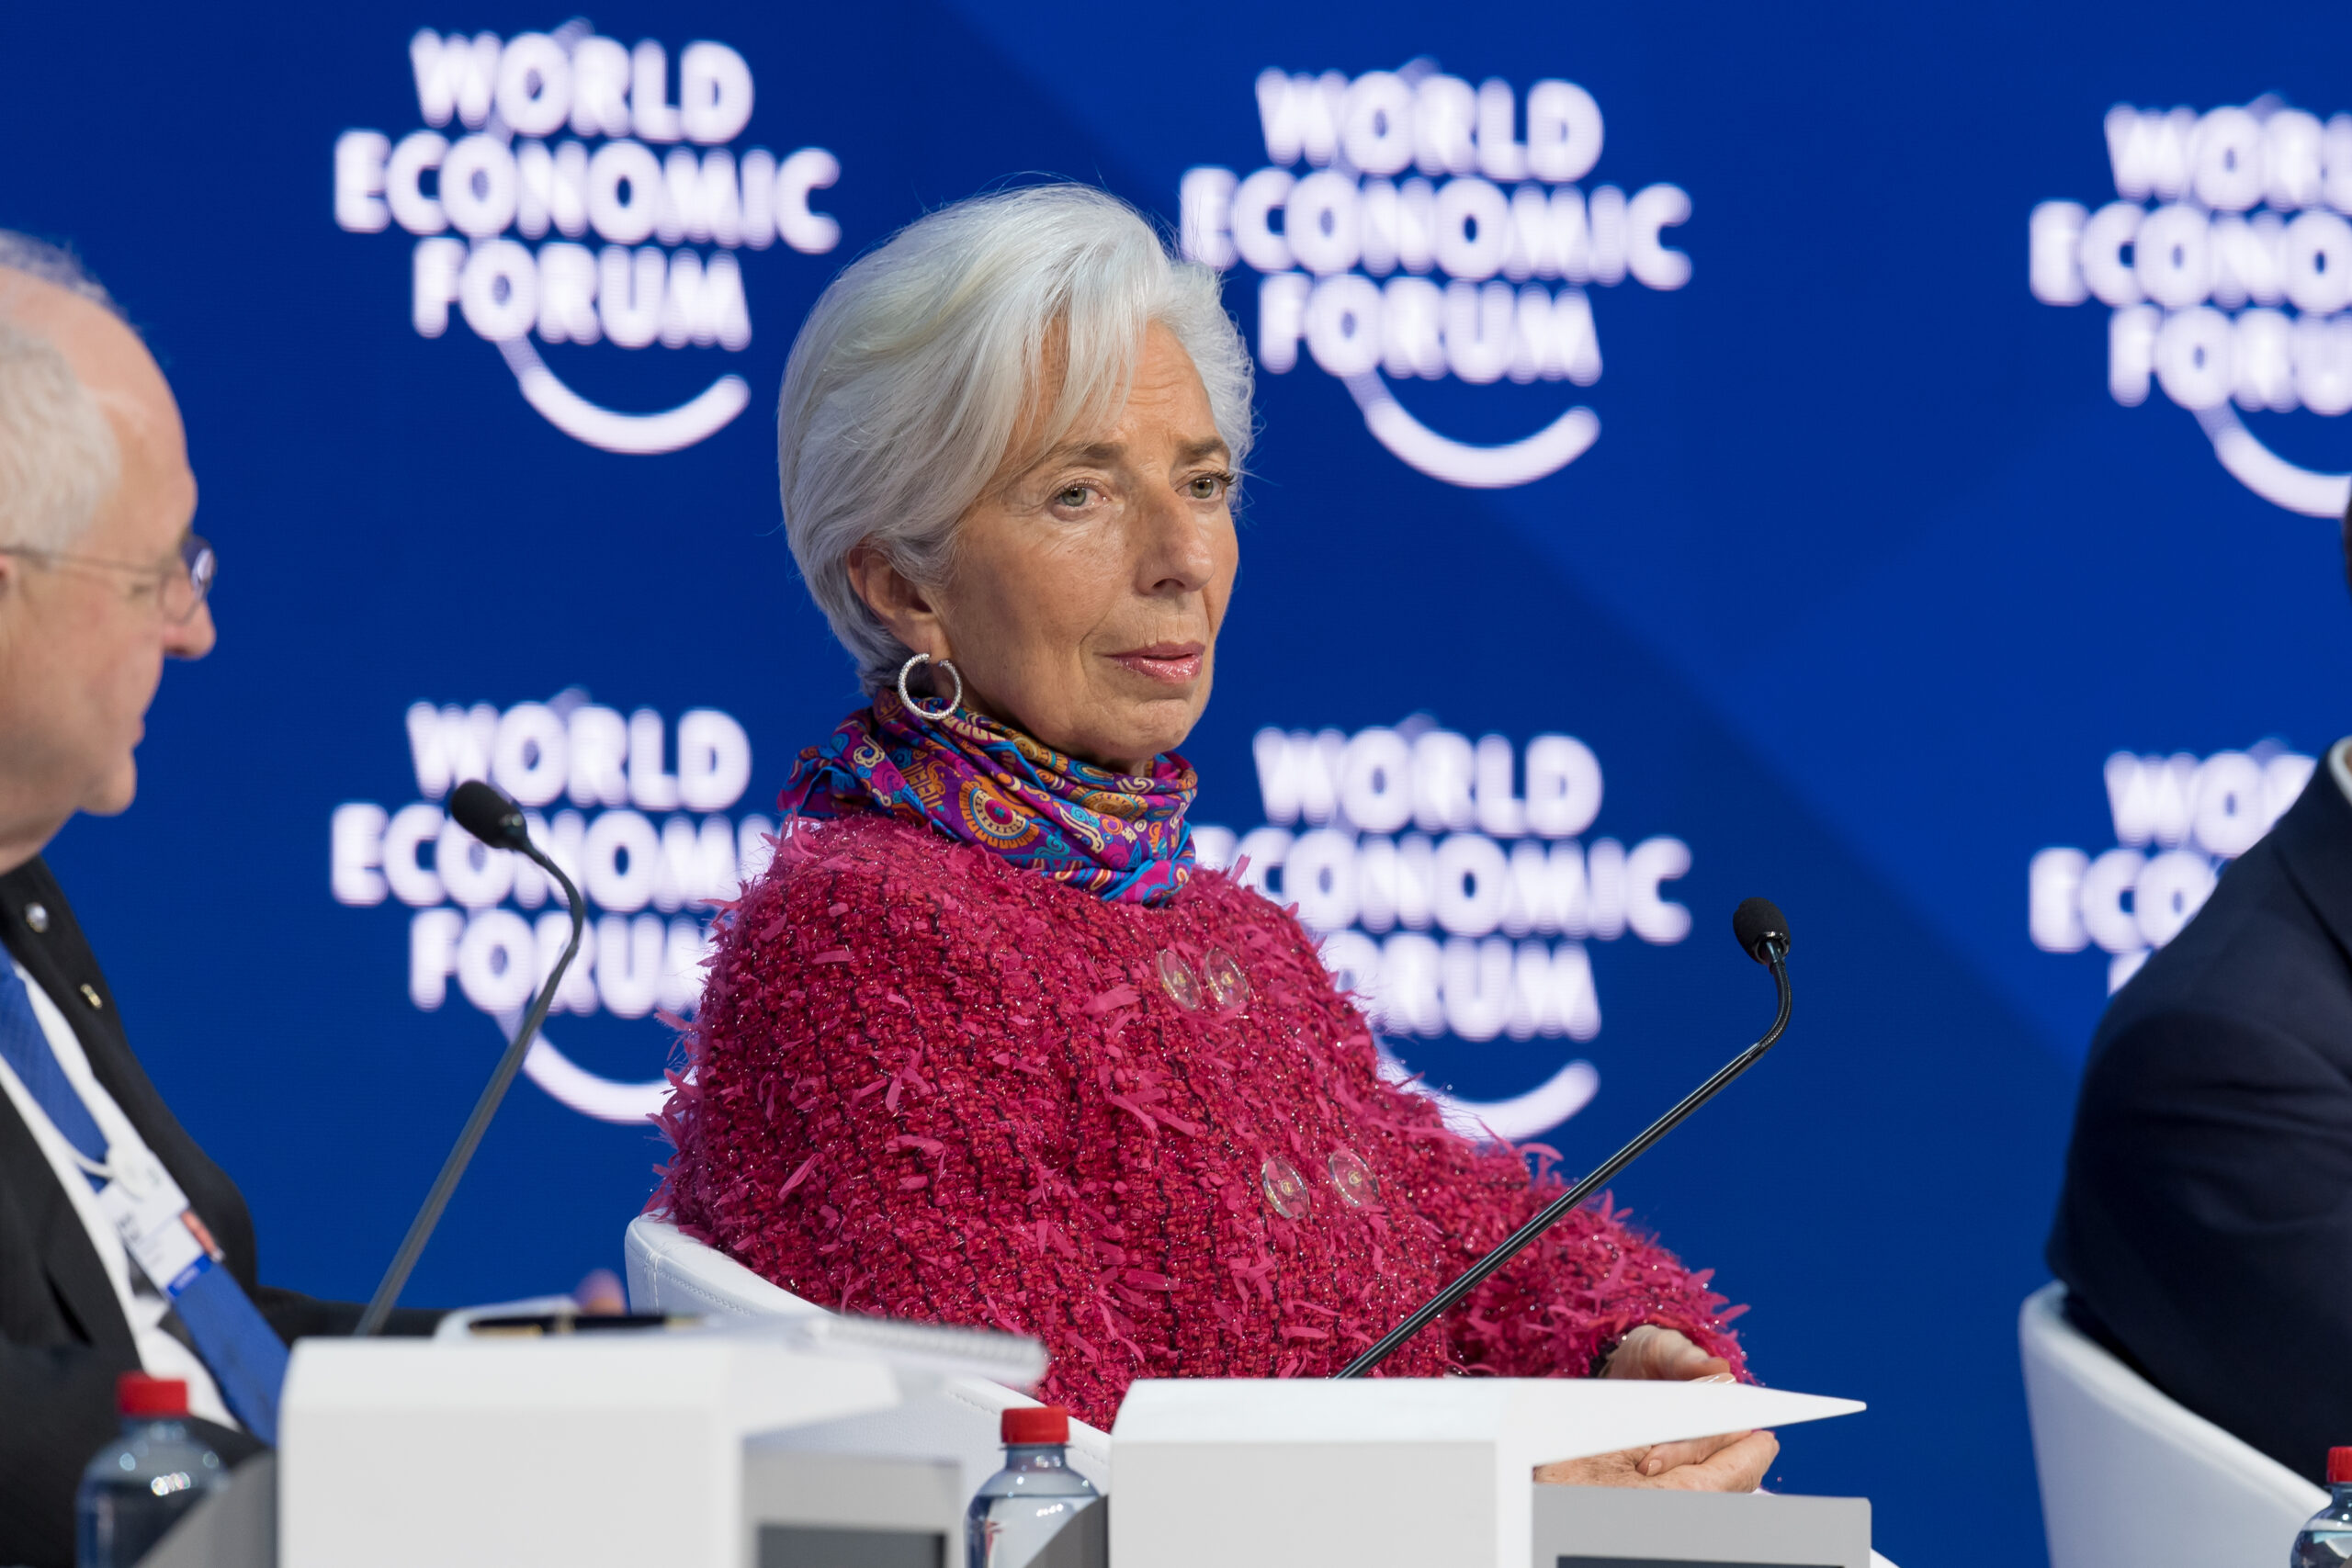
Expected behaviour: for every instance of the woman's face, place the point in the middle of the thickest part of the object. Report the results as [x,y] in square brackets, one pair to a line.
[1086,589]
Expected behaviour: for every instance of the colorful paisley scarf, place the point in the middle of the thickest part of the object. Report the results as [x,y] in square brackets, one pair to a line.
[1122,838]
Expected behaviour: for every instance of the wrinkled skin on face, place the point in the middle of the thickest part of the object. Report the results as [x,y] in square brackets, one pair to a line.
[81,648]
[1089,583]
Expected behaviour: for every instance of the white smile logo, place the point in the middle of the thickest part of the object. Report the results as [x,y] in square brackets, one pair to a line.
[1495,216]
[2222,218]
[506,178]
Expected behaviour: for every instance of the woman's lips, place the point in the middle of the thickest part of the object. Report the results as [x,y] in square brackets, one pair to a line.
[1174,663]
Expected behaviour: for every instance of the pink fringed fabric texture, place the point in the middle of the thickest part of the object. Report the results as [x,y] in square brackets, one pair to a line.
[931,1085]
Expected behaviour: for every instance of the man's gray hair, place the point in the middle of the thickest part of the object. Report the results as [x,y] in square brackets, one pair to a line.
[58,458]
[908,382]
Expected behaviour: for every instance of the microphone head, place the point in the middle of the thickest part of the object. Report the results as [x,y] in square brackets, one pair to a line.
[1760,927]
[488,816]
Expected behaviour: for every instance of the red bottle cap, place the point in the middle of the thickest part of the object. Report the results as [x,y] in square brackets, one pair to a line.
[1050,1424]
[2339,1466]
[136,1394]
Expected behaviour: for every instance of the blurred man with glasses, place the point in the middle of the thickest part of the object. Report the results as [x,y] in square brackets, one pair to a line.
[101,580]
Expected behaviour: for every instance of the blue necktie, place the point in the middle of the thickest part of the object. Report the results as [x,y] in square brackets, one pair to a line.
[244,1354]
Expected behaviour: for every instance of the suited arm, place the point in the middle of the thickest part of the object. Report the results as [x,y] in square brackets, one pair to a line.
[297,1316]
[2208,1222]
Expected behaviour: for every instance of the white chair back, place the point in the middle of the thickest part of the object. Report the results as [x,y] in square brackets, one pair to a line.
[672,1272]
[2131,1480]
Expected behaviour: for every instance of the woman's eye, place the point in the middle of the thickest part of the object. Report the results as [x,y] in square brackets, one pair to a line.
[1075,496]
[1208,487]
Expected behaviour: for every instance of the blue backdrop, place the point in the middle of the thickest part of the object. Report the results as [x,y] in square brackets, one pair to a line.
[1912,504]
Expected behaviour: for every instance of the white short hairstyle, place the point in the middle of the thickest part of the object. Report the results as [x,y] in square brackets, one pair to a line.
[58,458]
[909,378]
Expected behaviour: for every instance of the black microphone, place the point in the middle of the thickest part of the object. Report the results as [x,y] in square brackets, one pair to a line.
[1762,931]
[498,822]
[1763,934]
[494,820]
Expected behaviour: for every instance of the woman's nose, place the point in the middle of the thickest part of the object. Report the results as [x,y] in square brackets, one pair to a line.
[1178,555]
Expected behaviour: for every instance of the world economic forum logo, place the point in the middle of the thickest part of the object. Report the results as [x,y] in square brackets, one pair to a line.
[2180,820]
[637,813]
[1409,225]
[557,139]
[2226,264]
[1453,890]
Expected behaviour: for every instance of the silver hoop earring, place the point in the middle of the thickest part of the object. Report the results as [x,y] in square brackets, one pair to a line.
[908,697]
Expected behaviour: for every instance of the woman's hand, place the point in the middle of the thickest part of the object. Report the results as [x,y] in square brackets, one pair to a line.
[1665,1354]
[1733,1461]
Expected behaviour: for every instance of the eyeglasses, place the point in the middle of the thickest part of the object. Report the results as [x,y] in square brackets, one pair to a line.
[179,586]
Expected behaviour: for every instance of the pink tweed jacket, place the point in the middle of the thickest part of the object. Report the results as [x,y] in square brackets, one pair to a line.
[929,1084]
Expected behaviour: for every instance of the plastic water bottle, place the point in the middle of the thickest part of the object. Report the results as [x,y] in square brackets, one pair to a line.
[1032,1498]
[142,1484]
[2327,1542]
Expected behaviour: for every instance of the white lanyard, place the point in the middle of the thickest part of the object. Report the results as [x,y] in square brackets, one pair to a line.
[151,1215]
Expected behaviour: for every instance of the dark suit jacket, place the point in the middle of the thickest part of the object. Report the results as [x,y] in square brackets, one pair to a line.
[62,1336]
[2206,1220]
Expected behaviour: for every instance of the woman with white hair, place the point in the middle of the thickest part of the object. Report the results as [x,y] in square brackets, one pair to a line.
[986,1046]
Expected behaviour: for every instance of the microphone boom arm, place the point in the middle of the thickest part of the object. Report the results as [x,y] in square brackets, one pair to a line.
[1775,954]
[379,1305]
